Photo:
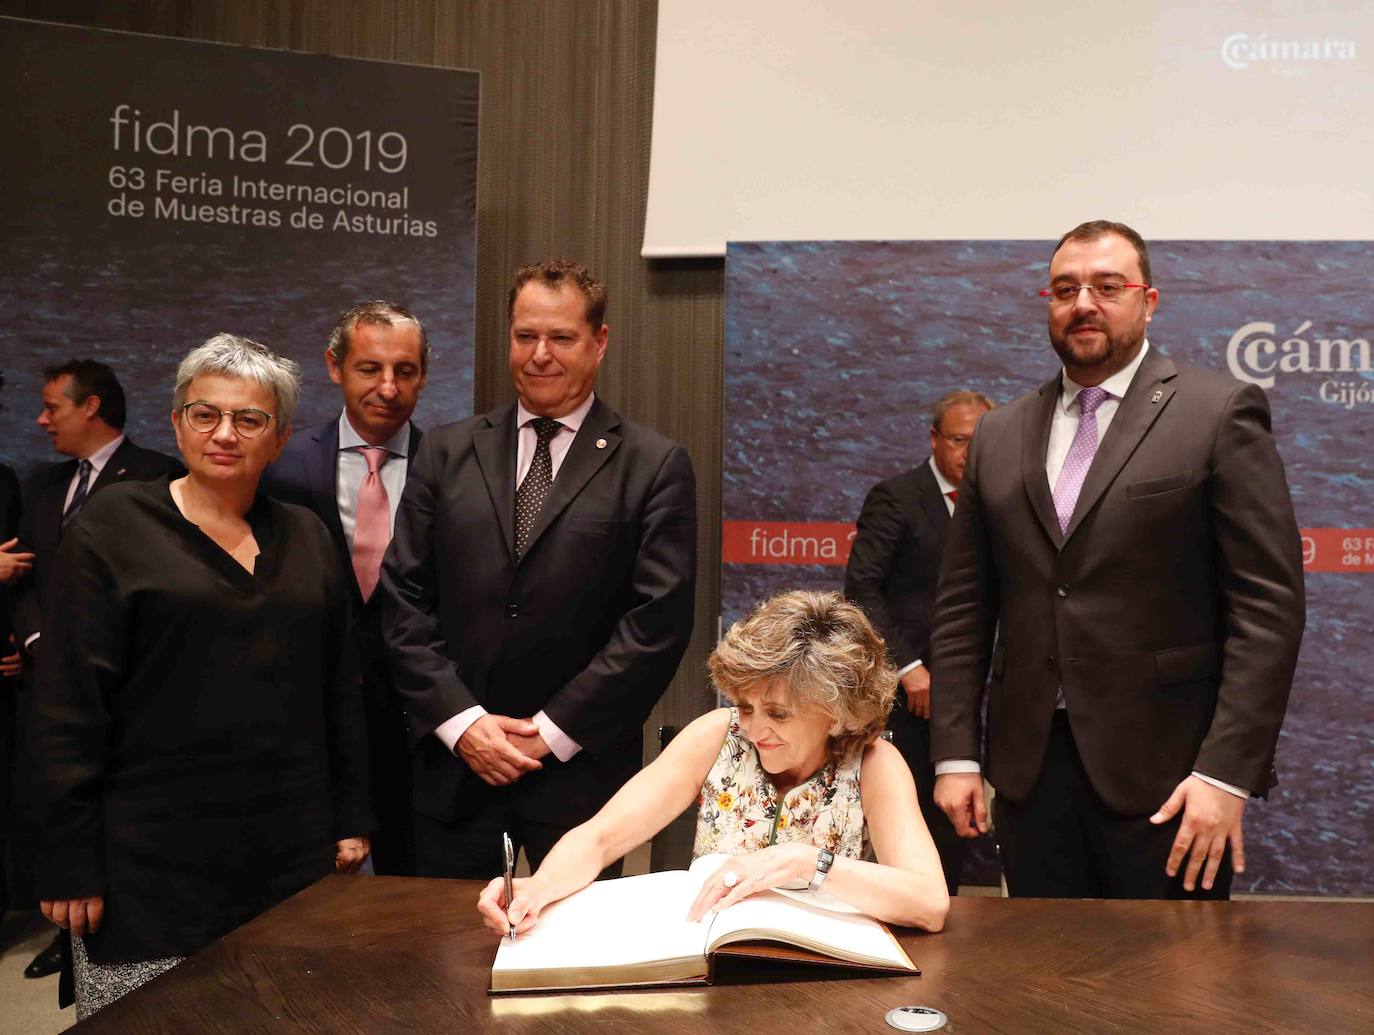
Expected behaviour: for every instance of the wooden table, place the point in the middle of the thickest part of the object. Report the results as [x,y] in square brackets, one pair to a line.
[376,954]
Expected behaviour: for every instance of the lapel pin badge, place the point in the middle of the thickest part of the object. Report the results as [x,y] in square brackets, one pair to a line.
[601,443]
[1156,397]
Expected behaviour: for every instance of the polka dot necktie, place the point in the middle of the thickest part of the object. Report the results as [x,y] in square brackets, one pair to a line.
[1080,458]
[529,498]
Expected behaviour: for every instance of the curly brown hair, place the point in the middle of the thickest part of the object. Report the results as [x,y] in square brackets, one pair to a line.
[824,651]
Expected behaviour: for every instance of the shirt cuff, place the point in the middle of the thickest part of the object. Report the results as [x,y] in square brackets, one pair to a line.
[562,745]
[451,730]
[907,668]
[30,640]
[957,765]
[1239,792]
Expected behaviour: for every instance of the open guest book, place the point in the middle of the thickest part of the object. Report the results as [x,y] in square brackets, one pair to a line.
[634,931]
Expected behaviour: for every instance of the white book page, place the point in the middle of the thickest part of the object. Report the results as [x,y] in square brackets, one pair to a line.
[612,923]
[708,864]
[815,919]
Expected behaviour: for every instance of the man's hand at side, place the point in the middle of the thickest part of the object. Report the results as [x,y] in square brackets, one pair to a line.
[487,748]
[960,795]
[12,664]
[1211,817]
[916,685]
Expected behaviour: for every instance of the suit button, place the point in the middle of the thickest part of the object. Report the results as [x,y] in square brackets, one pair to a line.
[512,610]
[1050,663]
[1062,591]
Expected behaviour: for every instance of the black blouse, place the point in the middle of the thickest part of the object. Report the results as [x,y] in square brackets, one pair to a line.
[198,728]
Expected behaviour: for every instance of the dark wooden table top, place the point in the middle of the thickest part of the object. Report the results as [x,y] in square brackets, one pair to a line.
[378,954]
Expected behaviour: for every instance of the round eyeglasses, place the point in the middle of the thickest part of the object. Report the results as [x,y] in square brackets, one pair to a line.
[204,417]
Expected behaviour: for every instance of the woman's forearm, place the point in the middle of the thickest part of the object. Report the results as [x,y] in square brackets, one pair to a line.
[573,863]
[888,893]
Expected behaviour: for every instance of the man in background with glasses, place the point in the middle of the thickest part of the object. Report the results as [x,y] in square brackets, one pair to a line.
[893,567]
[1124,571]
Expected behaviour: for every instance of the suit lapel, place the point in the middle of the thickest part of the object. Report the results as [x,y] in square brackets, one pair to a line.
[1142,404]
[1035,443]
[495,449]
[584,458]
[115,469]
[932,500]
[322,475]
[53,500]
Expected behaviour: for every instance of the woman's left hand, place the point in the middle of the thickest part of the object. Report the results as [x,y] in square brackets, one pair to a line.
[758,871]
[350,853]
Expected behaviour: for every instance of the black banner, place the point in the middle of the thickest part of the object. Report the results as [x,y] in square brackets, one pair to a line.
[156,191]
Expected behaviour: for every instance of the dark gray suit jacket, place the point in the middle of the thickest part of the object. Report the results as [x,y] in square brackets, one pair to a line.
[588,625]
[1170,612]
[895,560]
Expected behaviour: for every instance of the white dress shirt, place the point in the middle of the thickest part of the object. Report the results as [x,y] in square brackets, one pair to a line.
[352,469]
[97,460]
[562,746]
[1063,427]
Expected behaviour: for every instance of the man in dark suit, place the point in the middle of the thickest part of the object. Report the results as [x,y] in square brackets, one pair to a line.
[378,354]
[539,592]
[1148,599]
[15,564]
[83,412]
[893,565]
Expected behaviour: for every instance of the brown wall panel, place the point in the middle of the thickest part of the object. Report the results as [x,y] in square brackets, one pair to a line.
[566,116]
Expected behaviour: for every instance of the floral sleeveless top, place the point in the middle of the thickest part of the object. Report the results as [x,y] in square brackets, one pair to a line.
[739,810]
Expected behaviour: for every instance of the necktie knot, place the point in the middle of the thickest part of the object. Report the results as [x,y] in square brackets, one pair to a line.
[545,428]
[375,457]
[1089,399]
[83,468]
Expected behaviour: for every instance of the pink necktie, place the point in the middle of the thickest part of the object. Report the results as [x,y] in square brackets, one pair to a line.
[372,527]
[1080,458]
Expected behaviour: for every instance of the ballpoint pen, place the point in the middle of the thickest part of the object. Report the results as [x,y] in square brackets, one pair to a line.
[509,851]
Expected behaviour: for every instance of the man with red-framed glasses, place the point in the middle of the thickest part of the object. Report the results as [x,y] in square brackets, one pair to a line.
[1125,533]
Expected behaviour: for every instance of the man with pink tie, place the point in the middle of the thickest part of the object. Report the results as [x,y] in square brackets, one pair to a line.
[351,472]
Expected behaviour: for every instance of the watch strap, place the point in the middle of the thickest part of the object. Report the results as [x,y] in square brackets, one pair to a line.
[823,863]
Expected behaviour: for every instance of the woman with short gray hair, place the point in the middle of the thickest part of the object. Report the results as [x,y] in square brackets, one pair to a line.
[198,737]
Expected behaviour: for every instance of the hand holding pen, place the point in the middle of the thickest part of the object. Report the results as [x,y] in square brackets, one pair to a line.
[509,850]
[516,905]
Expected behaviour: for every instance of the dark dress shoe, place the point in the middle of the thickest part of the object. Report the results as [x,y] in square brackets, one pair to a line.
[49,961]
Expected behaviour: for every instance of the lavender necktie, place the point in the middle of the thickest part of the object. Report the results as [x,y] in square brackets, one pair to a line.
[1080,458]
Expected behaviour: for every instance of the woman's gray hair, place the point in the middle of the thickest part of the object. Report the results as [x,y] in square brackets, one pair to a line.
[229,355]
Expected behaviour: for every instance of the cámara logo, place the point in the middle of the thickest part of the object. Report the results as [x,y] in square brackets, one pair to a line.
[1241,50]
[1254,354]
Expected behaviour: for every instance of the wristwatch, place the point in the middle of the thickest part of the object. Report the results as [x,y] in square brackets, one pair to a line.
[823,862]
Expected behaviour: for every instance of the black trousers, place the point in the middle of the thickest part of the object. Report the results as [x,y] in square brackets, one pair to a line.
[1063,842]
[470,848]
[911,736]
